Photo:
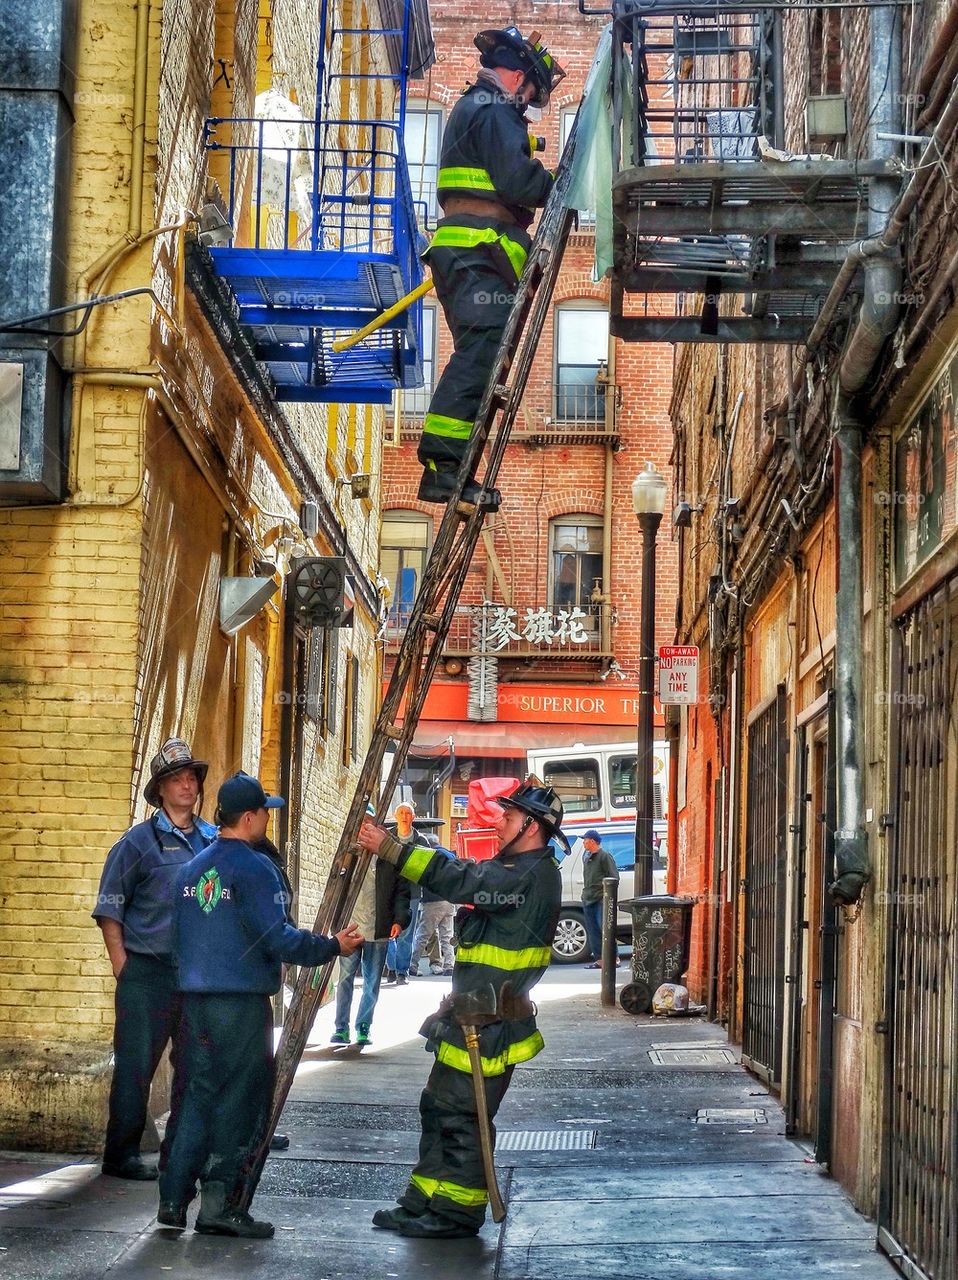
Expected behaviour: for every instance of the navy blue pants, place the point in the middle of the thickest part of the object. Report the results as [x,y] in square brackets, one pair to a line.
[449,1178]
[228,1063]
[592,913]
[148,1018]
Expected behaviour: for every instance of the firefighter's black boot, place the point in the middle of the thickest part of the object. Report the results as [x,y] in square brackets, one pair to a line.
[217,1218]
[393,1219]
[438,484]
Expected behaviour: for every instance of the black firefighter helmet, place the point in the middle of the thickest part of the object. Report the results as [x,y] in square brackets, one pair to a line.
[539,802]
[509,48]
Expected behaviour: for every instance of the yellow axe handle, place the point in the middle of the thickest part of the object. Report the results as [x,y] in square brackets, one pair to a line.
[420,291]
[485,1132]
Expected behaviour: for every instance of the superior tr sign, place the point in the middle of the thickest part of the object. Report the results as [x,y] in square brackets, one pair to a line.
[678,673]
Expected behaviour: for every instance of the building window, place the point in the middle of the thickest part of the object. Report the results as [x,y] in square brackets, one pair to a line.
[575,565]
[423,139]
[566,121]
[416,402]
[582,349]
[402,561]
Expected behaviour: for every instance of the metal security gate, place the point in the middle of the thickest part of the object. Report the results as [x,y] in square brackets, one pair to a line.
[765,925]
[918,1210]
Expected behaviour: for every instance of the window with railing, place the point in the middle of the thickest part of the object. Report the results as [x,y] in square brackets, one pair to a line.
[402,560]
[415,402]
[575,565]
[581,353]
[566,121]
[423,139]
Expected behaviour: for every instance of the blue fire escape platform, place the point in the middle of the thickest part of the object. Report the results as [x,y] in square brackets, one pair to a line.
[296,303]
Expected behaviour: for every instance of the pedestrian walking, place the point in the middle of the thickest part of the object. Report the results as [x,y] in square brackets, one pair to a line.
[597,865]
[399,948]
[504,949]
[232,936]
[134,909]
[435,921]
[381,913]
[489,186]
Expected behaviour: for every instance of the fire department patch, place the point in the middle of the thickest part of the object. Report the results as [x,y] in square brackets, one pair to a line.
[209,890]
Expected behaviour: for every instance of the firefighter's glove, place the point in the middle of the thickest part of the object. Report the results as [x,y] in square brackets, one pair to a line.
[378,841]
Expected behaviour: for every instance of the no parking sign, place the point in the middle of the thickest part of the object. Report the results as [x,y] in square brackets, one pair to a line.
[678,673]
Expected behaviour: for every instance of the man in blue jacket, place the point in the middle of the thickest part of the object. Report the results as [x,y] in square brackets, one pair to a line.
[134,909]
[232,937]
[489,188]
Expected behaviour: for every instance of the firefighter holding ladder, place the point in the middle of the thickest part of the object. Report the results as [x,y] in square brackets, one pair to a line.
[488,1025]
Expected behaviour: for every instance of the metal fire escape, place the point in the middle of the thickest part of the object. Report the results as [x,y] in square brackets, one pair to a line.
[707,203]
[324,231]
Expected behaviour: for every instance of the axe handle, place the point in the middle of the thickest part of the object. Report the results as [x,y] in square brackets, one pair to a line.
[485,1131]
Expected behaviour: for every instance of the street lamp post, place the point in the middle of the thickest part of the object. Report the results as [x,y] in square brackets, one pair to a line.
[648,502]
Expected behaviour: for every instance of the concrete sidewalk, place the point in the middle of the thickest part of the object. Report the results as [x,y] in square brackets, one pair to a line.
[605,1171]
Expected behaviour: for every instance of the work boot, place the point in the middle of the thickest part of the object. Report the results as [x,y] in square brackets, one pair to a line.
[432,1226]
[389,977]
[171,1214]
[439,486]
[401,979]
[217,1218]
[393,1219]
[133,1168]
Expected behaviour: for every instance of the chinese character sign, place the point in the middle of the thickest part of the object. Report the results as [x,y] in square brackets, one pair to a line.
[539,626]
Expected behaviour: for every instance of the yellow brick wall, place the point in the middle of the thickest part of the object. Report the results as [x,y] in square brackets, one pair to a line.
[109,639]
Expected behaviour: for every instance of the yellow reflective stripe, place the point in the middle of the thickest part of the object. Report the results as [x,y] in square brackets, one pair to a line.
[451,1190]
[503,957]
[416,864]
[472,179]
[470,237]
[452,1056]
[435,424]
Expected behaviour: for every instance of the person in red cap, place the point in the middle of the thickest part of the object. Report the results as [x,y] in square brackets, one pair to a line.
[134,909]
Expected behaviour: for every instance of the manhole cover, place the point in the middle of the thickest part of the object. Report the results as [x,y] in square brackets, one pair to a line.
[546,1140]
[731,1115]
[691,1057]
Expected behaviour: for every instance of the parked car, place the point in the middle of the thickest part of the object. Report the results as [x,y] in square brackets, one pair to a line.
[618,838]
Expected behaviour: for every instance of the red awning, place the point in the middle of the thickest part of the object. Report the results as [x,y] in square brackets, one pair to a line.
[506,739]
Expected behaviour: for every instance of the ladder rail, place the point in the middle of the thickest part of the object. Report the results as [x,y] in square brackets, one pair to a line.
[429,622]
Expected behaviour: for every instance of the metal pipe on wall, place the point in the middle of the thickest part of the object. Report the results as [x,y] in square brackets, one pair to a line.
[876,322]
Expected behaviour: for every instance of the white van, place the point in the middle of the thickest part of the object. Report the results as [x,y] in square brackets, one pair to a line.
[597,784]
[618,838]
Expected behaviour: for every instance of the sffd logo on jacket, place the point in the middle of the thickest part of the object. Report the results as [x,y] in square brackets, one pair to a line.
[209,890]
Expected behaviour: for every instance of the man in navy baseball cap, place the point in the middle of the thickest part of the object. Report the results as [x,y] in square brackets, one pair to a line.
[243,794]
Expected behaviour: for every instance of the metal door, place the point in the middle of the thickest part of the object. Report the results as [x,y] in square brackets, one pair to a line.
[765,926]
[918,1209]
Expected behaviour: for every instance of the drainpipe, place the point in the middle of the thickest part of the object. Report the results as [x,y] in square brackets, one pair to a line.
[611,408]
[876,322]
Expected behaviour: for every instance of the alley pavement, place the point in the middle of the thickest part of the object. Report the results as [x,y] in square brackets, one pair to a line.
[607,1163]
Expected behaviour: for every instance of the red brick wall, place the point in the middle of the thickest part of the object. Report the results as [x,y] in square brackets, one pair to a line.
[539,483]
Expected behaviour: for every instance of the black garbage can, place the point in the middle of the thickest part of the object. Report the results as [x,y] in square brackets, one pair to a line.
[661,934]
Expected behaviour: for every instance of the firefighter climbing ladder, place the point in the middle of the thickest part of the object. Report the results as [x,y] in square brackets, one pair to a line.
[430,620]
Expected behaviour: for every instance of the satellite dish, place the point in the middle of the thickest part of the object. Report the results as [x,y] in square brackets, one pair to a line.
[241,600]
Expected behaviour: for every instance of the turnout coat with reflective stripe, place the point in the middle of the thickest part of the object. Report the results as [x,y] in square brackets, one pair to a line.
[486,155]
[505,941]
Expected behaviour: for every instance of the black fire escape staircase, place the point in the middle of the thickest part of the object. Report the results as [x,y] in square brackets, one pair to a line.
[708,206]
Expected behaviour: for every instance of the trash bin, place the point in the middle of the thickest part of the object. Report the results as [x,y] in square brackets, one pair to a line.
[661,933]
